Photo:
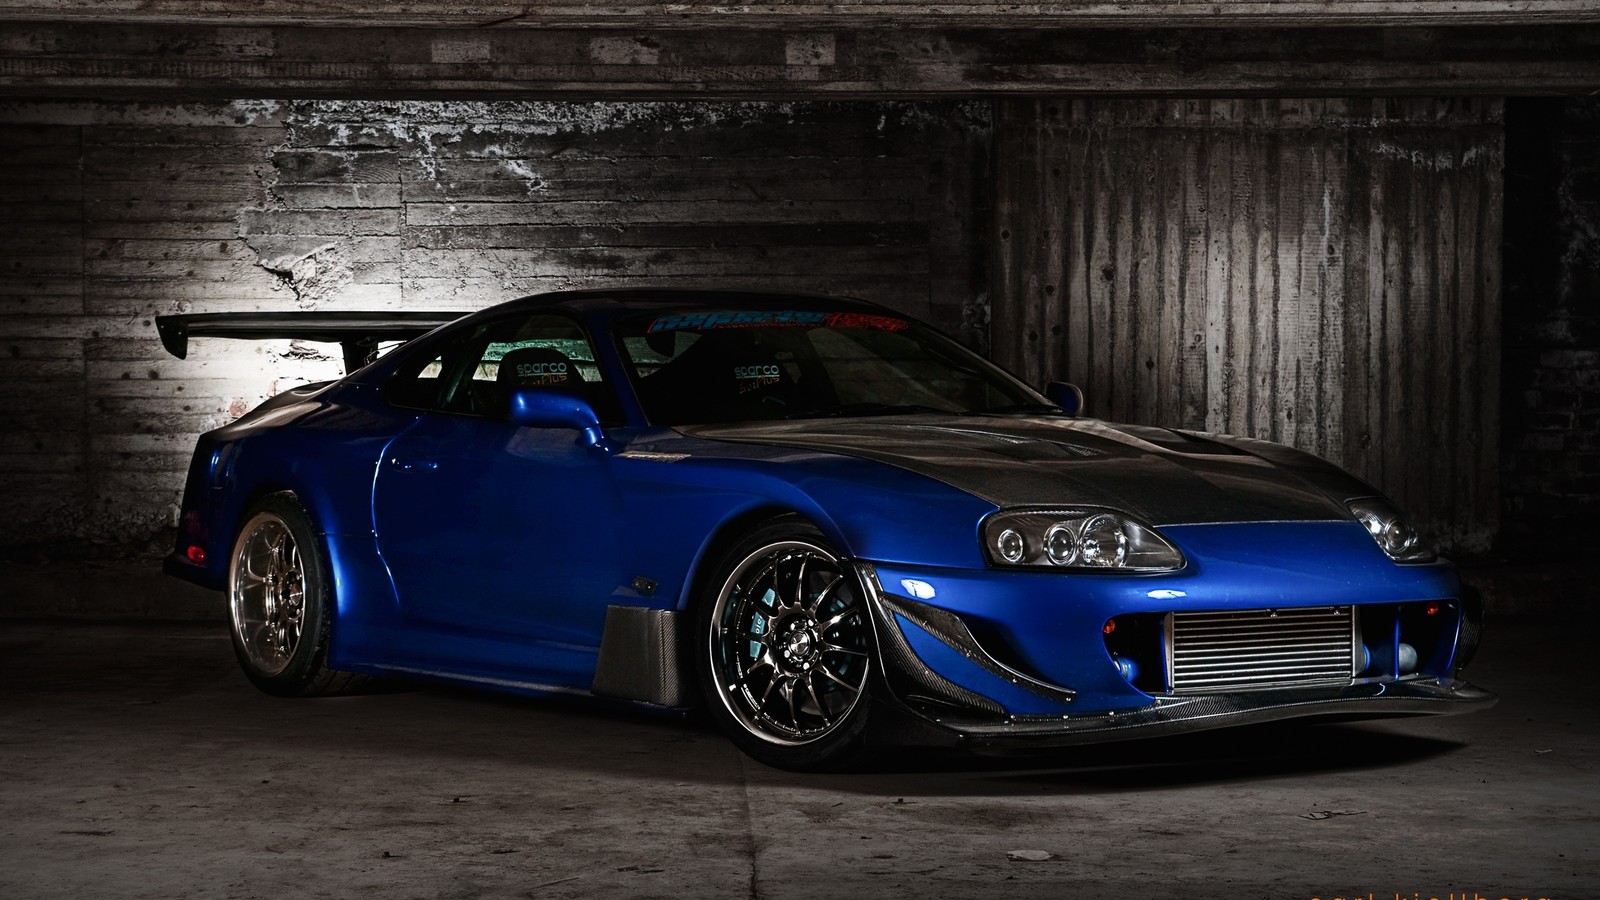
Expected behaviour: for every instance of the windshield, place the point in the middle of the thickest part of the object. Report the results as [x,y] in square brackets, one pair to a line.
[751,365]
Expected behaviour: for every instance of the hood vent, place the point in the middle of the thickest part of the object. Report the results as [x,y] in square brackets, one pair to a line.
[1034,444]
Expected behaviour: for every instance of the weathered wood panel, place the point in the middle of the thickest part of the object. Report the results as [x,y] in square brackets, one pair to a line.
[96,438]
[181,59]
[247,42]
[1324,273]
[42,414]
[113,213]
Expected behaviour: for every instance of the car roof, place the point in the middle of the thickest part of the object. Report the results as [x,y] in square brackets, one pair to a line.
[602,305]
[618,301]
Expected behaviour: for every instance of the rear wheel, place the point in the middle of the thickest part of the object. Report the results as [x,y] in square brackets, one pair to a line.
[785,649]
[279,601]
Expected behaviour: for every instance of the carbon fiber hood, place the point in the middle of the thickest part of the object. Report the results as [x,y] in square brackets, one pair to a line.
[1163,477]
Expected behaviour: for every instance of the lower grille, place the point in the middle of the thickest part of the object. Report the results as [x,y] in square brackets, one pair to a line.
[1241,650]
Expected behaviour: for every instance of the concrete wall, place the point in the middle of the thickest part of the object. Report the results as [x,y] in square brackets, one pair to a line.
[111,214]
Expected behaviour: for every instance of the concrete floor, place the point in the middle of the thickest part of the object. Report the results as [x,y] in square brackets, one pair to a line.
[135,761]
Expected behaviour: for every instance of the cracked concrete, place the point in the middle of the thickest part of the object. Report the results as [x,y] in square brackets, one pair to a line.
[137,762]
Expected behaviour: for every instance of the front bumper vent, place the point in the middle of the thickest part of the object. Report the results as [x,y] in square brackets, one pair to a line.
[1213,652]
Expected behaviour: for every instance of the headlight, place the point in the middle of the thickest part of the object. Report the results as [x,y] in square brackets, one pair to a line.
[1393,533]
[1079,538]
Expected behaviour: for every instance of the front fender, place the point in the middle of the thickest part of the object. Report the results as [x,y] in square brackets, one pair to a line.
[683,503]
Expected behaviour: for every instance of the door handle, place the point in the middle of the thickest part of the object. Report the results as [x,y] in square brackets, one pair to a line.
[413,465]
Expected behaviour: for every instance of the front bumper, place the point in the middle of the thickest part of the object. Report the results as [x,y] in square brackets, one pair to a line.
[990,660]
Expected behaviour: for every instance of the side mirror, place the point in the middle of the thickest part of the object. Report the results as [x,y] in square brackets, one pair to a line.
[552,409]
[1067,396]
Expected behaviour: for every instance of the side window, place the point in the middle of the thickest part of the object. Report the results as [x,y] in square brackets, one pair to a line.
[476,374]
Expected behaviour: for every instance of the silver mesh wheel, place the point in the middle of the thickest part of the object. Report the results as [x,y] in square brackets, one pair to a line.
[267,593]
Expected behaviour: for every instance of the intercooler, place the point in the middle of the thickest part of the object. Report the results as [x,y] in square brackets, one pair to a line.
[1212,652]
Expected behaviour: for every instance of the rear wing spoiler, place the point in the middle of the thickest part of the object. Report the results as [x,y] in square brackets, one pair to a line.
[358,333]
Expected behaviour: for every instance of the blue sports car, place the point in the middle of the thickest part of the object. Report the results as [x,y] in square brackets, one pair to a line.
[825,523]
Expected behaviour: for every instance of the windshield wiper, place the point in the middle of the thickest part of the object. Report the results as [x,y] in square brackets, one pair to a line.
[869,409]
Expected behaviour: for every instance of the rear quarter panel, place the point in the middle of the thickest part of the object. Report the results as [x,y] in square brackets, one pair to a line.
[324,450]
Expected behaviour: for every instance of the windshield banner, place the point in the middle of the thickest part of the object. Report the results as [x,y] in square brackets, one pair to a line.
[766,318]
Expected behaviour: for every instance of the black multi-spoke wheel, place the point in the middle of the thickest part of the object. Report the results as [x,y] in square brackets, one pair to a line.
[786,649]
[278,602]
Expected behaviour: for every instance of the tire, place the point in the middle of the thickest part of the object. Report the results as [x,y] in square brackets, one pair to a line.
[279,600]
[784,648]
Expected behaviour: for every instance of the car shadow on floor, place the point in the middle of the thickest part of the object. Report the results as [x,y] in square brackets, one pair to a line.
[1243,754]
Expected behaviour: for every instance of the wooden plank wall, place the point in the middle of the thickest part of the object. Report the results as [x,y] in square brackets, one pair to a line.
[1323,273]
[113,213]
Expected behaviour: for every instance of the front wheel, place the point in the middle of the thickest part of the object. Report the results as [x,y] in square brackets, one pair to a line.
[785,649]
[279,601]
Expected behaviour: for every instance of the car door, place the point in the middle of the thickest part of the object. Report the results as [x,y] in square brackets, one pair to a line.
[487,526]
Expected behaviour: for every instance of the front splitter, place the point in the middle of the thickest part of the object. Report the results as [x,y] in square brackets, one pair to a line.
[1183,715]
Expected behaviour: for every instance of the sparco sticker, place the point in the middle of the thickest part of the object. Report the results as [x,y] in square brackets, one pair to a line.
[531,374]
